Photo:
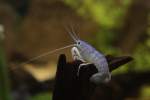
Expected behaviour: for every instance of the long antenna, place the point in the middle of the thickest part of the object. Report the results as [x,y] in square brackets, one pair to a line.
[73,36]
[47,53]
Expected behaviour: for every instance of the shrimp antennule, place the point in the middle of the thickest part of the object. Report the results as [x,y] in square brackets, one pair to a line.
[72,34]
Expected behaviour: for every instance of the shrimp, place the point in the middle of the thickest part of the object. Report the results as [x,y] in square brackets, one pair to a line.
[83,51]
[86,53]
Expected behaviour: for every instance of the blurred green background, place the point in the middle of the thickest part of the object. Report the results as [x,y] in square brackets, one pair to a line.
[32,27]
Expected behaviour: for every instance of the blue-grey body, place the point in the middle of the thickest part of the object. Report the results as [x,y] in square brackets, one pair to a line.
[91,55]
[85,52]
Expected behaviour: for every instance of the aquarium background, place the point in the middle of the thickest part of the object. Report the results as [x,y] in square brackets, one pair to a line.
[29,28]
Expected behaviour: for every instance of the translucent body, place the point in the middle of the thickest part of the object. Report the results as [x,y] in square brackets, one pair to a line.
[91,55]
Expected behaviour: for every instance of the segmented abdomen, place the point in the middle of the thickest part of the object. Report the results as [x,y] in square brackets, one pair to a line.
[91,55]
[100,62]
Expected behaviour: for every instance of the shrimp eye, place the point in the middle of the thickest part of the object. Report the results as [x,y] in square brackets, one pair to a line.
[79,43]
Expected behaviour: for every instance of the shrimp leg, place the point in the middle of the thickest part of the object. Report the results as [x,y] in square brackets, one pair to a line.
[76,56]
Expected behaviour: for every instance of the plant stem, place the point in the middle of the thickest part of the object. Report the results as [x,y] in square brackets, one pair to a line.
[4,80]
